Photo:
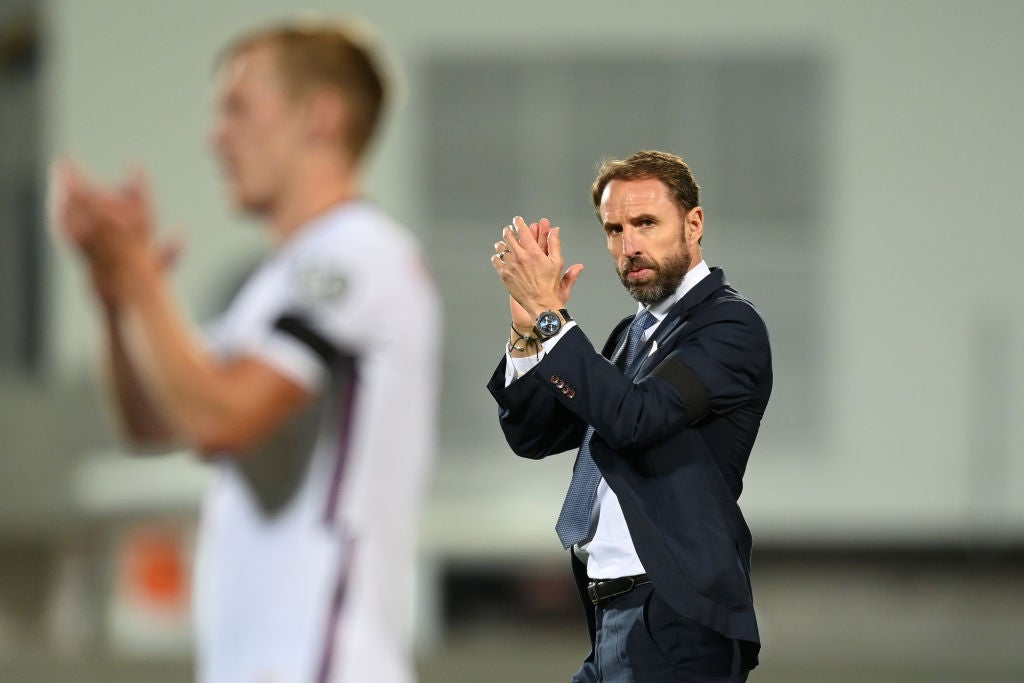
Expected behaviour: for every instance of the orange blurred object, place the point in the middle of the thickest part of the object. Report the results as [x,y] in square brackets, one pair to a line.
[155,567]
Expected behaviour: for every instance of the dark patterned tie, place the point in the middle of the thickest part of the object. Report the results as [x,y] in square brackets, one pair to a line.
[573,523]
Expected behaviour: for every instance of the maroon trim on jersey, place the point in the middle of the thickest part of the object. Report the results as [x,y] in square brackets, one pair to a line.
[333,625]
[344,435]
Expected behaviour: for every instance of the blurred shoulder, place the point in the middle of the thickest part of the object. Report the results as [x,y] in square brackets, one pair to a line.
[358,231]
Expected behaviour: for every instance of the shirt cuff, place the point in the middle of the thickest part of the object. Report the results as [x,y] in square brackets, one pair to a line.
[517,367]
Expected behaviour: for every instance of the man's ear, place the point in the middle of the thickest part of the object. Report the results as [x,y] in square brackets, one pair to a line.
[693,225]
[327,115]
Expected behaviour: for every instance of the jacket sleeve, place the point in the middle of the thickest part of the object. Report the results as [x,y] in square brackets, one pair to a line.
[535,424]
[711,368]
[718,366]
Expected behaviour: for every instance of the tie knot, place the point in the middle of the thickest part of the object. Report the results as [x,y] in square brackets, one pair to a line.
[643,320]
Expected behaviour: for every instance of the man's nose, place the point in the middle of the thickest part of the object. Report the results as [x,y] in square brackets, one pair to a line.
[630,243]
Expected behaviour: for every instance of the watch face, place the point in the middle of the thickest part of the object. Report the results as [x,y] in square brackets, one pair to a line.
[549,323]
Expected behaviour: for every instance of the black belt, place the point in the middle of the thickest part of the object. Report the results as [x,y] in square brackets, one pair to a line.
[603,589]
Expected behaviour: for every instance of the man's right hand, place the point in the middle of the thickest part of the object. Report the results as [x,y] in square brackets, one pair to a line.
[522,321]
[79,210]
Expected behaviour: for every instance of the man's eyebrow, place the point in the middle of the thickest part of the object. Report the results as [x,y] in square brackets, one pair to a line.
[643,217]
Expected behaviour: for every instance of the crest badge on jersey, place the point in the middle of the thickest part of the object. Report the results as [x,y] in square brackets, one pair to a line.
[321,284]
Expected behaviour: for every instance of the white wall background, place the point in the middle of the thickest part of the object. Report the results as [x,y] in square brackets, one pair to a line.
[922,437]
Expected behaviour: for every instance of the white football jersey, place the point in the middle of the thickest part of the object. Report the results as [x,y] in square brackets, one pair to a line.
[306,555]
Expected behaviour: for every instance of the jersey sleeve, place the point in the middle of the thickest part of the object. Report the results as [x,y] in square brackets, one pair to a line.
[292,357]
[332,310]
[353,290]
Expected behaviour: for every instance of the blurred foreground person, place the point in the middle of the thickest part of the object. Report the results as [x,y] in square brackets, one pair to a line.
[664,418]
[315,394]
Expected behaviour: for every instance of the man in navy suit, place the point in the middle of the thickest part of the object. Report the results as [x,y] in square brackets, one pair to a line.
[664,418]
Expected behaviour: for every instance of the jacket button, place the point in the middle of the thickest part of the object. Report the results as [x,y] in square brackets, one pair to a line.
[569,392]
[555,379]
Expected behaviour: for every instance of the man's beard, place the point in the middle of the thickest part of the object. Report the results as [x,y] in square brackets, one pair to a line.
[667,277]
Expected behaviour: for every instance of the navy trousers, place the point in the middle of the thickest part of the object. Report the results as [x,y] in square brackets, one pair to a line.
[640,639]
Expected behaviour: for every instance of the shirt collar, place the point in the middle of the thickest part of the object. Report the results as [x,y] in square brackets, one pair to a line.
[690,280]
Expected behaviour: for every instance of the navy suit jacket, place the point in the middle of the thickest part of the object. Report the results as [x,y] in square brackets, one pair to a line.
[672,436]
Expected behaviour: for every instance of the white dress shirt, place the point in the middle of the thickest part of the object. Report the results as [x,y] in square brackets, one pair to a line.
[609,553]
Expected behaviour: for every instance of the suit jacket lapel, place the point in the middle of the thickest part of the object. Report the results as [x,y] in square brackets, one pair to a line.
[618,356]
[677,316]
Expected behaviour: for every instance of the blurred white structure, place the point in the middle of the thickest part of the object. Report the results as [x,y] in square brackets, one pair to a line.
[919,234]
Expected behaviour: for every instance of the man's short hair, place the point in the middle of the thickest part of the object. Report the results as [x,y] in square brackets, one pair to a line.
[670,169]
[325,54]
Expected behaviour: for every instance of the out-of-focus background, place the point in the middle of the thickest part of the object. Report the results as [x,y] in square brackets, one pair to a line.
[862,174]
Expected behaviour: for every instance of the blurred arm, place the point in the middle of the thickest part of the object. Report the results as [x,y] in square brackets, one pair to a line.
[165,382]
[140,417]
[215,406]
